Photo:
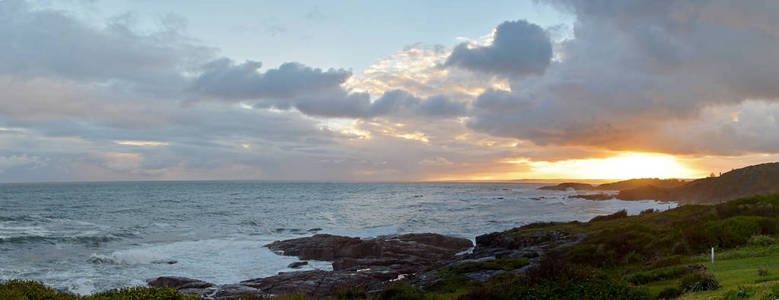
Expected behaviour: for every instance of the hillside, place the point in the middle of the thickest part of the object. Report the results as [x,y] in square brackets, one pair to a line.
[757,179]
[636,183]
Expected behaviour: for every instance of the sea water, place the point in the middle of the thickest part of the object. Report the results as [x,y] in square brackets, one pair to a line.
[88,237]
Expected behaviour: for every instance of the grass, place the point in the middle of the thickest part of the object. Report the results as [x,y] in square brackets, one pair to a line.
[734,269]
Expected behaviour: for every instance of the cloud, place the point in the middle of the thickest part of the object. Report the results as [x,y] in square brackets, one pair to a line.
[341,104]
[519,48]
[311,91]
[224,79]
[49,43]
[634,68]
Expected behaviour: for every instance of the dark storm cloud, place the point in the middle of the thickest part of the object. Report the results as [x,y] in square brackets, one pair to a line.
[634,67]
[518,48]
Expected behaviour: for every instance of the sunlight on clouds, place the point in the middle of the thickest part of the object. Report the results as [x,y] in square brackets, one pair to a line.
[141,143]
[347,127]
[394,129]
[417,69]
[625,166]
[414,136]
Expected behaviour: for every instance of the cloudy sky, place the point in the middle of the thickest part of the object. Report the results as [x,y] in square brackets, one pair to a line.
[386,91]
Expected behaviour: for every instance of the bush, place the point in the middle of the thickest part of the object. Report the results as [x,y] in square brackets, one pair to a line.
[762,272]
[698,281]
[352,293]
[774,294]
[739,293]
[669,293]
[141,293]
[506,264]
[668,261]
[657,275]
[648,211]
[733,231]
[30,290]
[760,240]
[617,215]
[402,292]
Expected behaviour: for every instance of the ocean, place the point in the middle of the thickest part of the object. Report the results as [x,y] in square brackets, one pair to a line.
[89,237]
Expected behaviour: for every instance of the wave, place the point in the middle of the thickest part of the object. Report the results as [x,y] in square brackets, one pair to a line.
[130,258]
[86,240]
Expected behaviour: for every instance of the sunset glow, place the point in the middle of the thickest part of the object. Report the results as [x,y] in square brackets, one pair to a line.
[625,166]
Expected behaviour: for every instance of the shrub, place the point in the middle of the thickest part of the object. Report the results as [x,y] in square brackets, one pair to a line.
[617,215]
[739,293]
[733,231]
[30,290]
[402,292]
[141,293]
[648,211]
[762,272]
[669,293]
[774,294]
[668,261]
[657,275]
[698,281]
[760,240]
[553,278]
[506,264]
[352,293]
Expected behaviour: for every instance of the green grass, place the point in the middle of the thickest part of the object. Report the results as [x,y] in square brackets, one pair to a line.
[734,268]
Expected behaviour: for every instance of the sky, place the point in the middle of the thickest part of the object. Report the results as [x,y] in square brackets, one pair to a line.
[386,91]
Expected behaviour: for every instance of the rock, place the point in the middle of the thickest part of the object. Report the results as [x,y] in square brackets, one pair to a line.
[316,283]
[178,283]
[230,291]
[598,196]
[346,252]
[297,264]
[370,264]
[206,290]
[569,185]
[165,262]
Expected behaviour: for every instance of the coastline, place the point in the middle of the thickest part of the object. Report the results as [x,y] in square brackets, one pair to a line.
[643,256]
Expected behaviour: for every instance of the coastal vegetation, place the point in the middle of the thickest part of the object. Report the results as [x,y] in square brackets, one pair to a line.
[653,255]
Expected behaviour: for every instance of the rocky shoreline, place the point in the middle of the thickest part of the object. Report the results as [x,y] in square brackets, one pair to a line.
[374,264]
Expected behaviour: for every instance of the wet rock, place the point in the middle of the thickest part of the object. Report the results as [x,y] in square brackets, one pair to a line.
[569,185]
[297,264]
[349,252]
[229,291]
[370,264]
[165,262]
[596,197]
[179,283]
[316,283]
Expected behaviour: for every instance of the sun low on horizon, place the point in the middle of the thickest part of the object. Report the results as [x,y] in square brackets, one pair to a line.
[624,166]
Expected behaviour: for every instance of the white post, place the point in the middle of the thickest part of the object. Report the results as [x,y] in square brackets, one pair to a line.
[712,255]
